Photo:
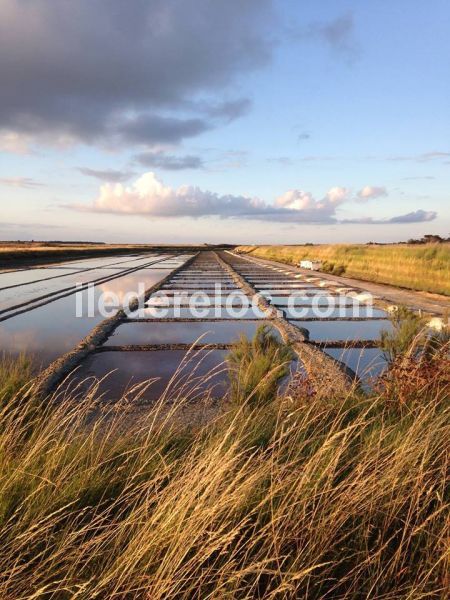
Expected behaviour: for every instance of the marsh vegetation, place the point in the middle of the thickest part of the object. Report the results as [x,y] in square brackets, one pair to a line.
[424,267]
[298,494]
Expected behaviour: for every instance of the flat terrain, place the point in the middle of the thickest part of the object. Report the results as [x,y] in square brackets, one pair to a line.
[424,267]
[38,306]
[431,303]
[17,254]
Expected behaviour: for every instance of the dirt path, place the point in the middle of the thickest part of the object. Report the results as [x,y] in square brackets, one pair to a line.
[434,304]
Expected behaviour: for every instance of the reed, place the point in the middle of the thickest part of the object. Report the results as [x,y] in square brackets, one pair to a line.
[298,497]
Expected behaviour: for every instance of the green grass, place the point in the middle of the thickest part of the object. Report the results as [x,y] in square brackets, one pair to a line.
[419,267]
[256,367]
[297,496]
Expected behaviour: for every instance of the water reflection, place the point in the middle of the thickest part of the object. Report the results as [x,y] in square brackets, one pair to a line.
[344,330]
[196,373]
[48,331]
[218,332]
[366,363]
[52,330]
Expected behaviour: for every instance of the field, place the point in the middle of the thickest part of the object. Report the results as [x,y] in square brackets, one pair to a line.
[25,253]
[17,253]
[418,267]
[295,496]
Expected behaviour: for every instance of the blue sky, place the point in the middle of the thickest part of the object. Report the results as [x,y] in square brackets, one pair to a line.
[251,121]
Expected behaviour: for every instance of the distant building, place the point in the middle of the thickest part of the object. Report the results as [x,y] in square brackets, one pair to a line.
[313,265]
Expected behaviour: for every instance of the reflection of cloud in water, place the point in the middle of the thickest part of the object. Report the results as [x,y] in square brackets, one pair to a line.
[120,296]
[53,329]
[121,289]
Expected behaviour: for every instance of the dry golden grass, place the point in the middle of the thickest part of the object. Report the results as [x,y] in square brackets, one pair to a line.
[304,498]
[14,251]
[419,267]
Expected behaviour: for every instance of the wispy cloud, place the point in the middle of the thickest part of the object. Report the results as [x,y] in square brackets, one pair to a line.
[21,182]
[28,226]
[229,110]
[169,162]
[313,158]
[303,136]
[421,158]
[417,216]
[106,175]
[338,34]
[284,161]
[14,142]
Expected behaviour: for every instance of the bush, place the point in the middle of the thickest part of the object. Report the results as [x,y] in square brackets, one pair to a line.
[339,270]
[256,366]
[408,334]
[327,267]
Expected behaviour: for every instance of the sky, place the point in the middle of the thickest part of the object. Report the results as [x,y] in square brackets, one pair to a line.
[238,121]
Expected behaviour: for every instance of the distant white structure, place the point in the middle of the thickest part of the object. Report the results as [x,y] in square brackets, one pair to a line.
[312,265]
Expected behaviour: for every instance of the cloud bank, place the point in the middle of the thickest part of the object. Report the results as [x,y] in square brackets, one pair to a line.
[110,73]
[149,197]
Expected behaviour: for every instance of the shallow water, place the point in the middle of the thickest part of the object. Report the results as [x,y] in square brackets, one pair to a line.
[359,311]
[132,283]
[218,332]
[320,331]
[218,312]
[47,332]
[26,277]
[365,362]
[126,369]
[318,299]
[53,329]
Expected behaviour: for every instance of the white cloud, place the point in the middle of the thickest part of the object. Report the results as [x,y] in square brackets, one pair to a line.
[149,197]
[337,195]
[369,192]
[313,210]
[295,199]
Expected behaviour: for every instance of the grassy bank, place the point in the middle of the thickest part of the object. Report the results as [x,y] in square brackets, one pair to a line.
[418,267]
[302,496]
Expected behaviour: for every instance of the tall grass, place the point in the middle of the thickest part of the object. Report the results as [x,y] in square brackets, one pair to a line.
[409,334]
[295,498]
[256,367]
[425,267]
[15,373]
